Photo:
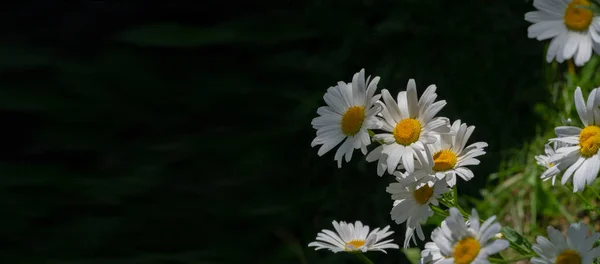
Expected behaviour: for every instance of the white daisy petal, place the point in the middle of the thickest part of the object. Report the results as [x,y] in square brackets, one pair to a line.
[565,131]
[545,29]
[584,52]
[571,45]
[549,6]
[539,16]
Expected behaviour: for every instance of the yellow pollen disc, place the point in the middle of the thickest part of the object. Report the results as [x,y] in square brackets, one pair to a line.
[407,131]
[589,141]
[423,194]
[355,243]
[568,256]
[550,165]
[466,250]
[352,120]
[578,18]
[444,160]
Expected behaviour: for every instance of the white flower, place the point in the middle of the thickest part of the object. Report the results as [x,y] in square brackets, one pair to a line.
[457,242]
[550,150]
[573,27]
[450,155]
[408,124]
[350,111]
[581,159]
[411,204]
[544,161]
[353,237]
[576,248]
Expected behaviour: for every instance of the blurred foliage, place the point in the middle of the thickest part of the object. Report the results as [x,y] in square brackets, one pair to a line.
[173,133]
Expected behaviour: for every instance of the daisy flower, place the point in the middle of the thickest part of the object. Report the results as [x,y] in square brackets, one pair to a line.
[408,124]
[576,248]
[411,204]
[350,111]
[572,27]
[451,155]
[544,160]
[458,242]
[581,159]
[353,237]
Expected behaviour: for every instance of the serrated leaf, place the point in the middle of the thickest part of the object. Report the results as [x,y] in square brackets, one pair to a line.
[412,254]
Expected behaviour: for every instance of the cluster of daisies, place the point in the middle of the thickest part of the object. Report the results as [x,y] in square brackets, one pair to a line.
[427,154]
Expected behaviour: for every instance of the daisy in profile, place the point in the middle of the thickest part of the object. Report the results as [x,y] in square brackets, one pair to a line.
[448,156]
[581,158]
[572,26]
[353,237]
[408,125]
[544,160]
[457,242]
[350,111]
[576,248]
[411,203]
[552,170]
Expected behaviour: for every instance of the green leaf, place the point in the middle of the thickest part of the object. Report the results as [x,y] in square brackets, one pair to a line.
[517,241]
[412,254]
[588,70]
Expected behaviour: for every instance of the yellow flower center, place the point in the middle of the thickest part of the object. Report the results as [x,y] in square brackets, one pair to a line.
[352,120]
[423,194]
[444,160]
[466,250]
[578,18]
[550,165]
[589,141]
[407,131]
[355,243]
[568,256]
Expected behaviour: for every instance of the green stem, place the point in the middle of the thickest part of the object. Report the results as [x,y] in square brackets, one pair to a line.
[455,198]
[597,194]
[495,260]
[363,258]
[439,211]
[586,202]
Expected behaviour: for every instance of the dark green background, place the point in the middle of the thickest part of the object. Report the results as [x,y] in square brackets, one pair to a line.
[180,133]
